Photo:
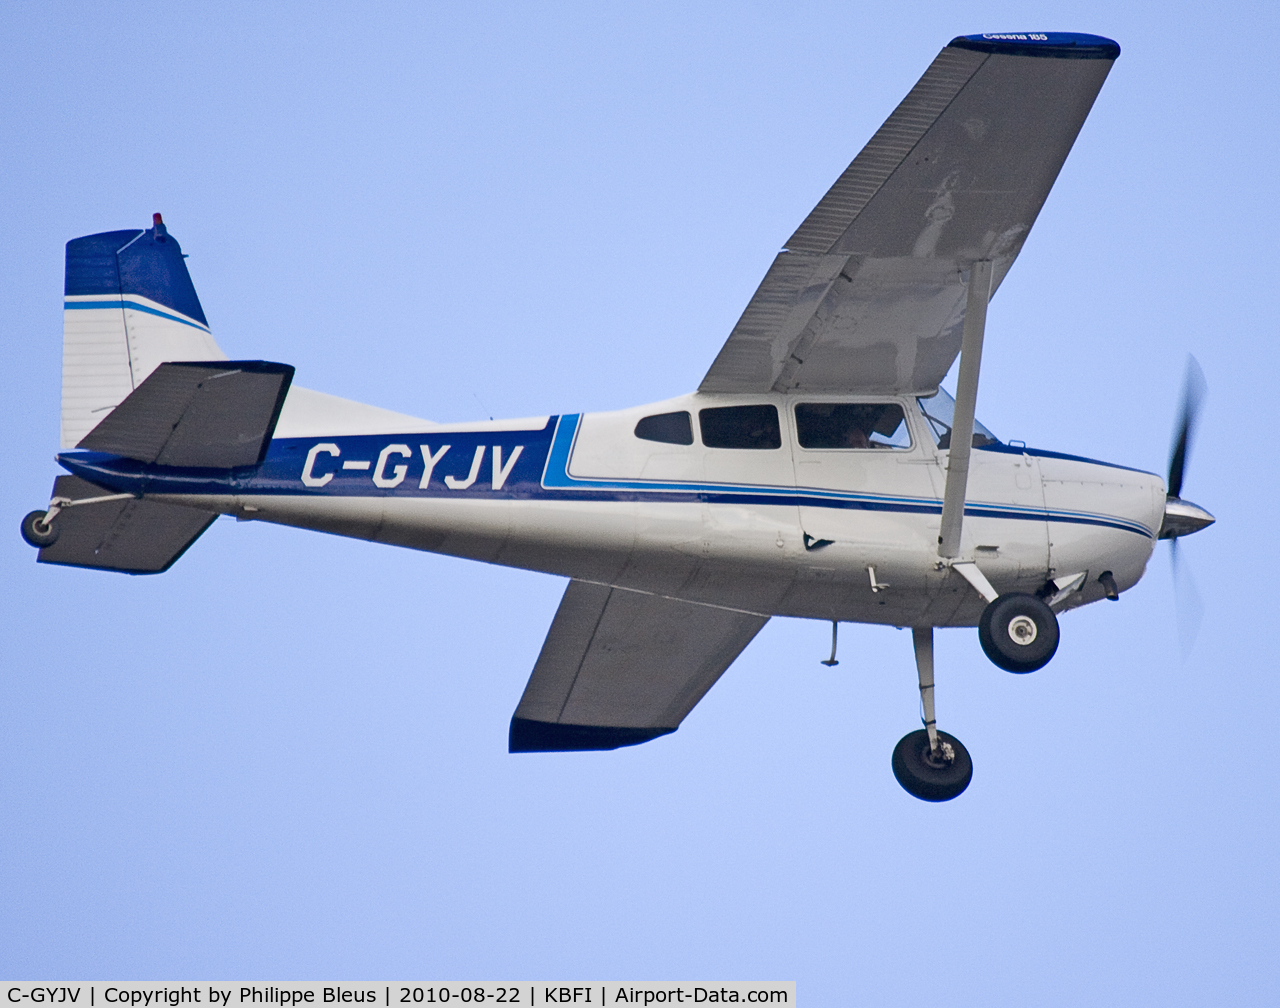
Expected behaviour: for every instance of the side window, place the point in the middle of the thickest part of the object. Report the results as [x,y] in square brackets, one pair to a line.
[740,427]
[669,428]
[852,425]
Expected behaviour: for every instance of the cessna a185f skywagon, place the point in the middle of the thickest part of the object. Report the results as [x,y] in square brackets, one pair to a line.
[818,471]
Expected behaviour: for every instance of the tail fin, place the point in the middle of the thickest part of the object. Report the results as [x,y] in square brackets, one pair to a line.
[130,306]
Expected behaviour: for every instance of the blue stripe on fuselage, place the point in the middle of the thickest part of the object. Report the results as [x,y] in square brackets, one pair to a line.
[540,472]
[557,477]
[1006,449]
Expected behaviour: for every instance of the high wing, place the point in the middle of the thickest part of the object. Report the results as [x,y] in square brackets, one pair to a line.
[868,295]
[623,667]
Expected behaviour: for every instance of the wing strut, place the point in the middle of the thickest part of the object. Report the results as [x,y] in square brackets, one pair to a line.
[975,324]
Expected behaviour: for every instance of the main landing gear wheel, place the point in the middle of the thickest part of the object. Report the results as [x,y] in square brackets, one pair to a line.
[1018,632]
[928,775]
[36,532]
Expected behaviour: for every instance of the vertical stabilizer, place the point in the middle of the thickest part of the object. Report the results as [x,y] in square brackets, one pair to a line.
[130,306]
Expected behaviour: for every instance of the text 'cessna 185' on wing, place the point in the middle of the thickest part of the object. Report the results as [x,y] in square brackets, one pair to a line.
[818,471]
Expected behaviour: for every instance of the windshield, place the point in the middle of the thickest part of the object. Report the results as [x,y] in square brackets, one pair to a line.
[939,409]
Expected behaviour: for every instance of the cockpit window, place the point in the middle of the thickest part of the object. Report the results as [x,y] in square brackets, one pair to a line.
[740,427]
[939,409]
[669,428]
[852,425]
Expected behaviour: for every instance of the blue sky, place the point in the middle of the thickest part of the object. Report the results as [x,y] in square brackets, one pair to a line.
[285,758]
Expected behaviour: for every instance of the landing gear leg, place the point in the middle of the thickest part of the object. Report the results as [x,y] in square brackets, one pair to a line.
[922,641]
[930,764]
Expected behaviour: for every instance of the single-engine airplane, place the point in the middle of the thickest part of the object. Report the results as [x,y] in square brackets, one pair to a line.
[819,471]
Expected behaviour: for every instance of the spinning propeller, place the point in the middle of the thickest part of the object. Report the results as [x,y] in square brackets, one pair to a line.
[1181,517]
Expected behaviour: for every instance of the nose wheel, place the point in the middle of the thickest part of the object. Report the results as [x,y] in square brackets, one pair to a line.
[930,764]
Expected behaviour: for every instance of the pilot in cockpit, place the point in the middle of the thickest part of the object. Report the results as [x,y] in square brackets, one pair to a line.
[852,425]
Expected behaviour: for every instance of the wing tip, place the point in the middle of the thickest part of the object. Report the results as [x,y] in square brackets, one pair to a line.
[527,735]
[1054,45]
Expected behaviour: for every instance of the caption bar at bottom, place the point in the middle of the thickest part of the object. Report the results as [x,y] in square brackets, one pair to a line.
[525,993]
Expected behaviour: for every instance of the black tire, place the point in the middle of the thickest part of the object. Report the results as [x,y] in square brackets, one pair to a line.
[1018,632]
[926,778]
[36,533]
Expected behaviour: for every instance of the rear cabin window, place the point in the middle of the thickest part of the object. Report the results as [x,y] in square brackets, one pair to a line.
[669,428]
[852,425]
[740,427]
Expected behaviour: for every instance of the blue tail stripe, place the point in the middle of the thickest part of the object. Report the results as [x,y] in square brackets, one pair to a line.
[147,263]
[136,306]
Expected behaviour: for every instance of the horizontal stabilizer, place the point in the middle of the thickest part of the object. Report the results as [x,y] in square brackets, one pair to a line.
[620,667]
[129,536]
[216,414]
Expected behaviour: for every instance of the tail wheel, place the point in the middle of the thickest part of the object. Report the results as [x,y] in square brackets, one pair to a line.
[1018,632]
[933,776]
[37,532]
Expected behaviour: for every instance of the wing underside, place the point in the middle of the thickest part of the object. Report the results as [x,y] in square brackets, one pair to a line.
[868,295]
[623,667]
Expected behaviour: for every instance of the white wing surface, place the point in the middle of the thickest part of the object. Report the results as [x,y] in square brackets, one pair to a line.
[868,295]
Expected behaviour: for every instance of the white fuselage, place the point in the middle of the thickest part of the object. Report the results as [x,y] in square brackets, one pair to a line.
[791,531]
